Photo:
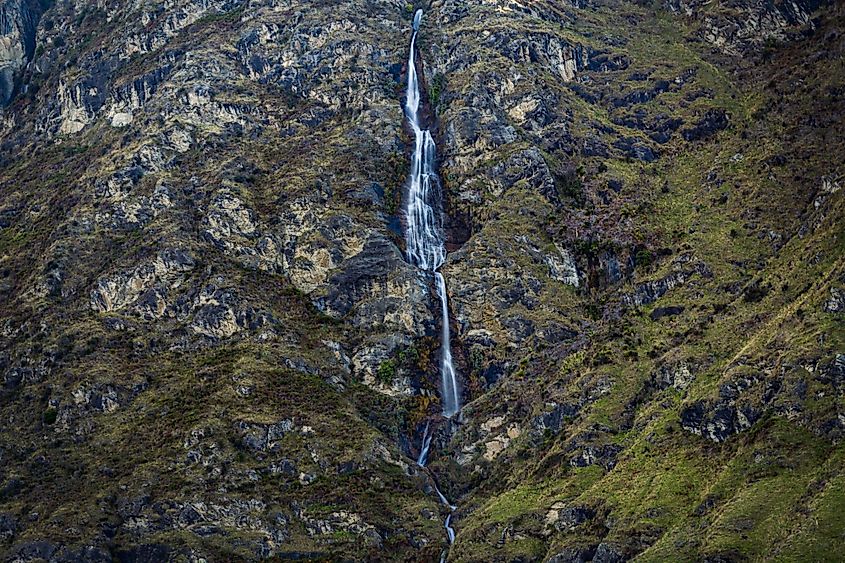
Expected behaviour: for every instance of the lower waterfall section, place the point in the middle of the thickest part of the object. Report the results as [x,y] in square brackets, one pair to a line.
[421,461]
[449,380]
[426,443]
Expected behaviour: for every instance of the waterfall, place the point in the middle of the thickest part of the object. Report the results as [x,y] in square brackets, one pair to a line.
[447,524]
[426,245]
[426,443]
[451,400]
[449,530]
[426,249]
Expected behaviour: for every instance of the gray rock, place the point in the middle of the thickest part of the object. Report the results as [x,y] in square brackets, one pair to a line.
[8,526]
[608,553]
[678,376]
[836,302]
[376,287]
[264,437]
[228,217]
[634,148]
[563,267]
[555,419]
[547,50]
[526,166]
[131,287]
[650,292]
[571,517]
[718,421]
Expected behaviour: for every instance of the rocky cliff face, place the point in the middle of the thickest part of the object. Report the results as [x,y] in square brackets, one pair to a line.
[18,24]
[213,348]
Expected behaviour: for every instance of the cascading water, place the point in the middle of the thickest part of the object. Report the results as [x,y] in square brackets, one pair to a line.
[421,461]
[426,443]
[427,250]
[425,239]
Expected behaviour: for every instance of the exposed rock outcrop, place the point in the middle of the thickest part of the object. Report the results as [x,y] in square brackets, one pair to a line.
[18,24]
[650,292]
[747,26]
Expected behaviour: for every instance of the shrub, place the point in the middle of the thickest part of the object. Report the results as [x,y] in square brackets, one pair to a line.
[386,371]
[644,258]
[50,415]
[438,83]
[755,292]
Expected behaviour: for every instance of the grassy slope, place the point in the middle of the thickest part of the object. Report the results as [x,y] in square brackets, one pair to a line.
[771,491]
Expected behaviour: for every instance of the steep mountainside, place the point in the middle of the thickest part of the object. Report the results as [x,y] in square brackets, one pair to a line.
[213,347]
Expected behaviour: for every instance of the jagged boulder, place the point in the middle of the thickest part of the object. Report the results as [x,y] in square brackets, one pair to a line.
[719,421]
[145,285]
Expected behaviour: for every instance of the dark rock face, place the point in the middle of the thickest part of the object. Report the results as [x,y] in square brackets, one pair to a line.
[571,517]
[530,167]
[366,289]
[659,127]
[48,551]
[677,375]
[714,120]
[607,553]
[555,420]
[148,552]
[832,372]
[718,421]
[36,550]
[8,527]
[603,455]
[264,437]
[660,312]
[741,403]
[634,149]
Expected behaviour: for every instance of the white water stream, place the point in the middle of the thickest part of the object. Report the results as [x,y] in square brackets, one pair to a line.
[426,245]
[421,461]
[427,250]
[426,443]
